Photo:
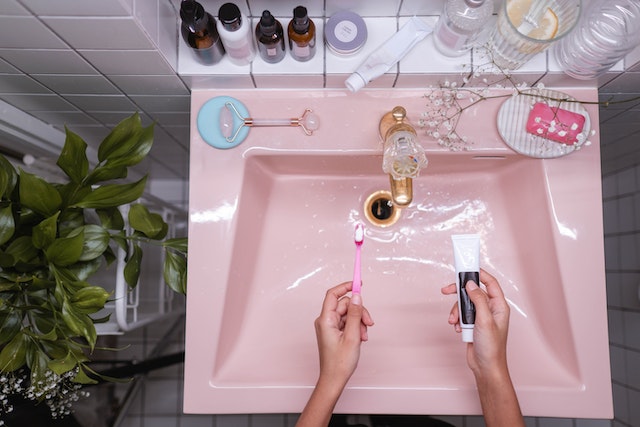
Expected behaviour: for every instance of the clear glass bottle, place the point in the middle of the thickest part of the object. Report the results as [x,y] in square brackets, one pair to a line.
[236,34]
[606,33]
[198,30]
[270,38]
[302,35]
[460,25]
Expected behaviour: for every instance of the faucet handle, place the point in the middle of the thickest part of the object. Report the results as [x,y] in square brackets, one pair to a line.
[399,114]
[403,157]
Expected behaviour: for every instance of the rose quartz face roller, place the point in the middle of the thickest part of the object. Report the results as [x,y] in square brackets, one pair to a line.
[308,122]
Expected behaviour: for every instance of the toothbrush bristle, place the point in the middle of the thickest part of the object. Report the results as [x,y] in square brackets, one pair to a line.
[359,233]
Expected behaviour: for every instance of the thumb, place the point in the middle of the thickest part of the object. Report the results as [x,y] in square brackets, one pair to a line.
[478,298]
[354,317]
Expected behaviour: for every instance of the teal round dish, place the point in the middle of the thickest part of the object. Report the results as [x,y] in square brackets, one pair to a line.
[208,122]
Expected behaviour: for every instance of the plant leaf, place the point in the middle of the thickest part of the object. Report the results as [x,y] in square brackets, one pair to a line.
[10,324]
[38,195]
[96,241]
[90,299]
[106,172]
[178,243]
[86,269]
[4,181]
[10,177]
[111,218]
[70,219]
[45,232]
[82,378]
[135,152]
[112,195]
[79,323]
[7,223]
[22,250]
[151,224]
[14,355]
[132,267]
[62,365]
[121,138]
[65,251]
[73,157]
[175,272]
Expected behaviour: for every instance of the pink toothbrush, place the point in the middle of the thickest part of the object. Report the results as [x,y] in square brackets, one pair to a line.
[358,238]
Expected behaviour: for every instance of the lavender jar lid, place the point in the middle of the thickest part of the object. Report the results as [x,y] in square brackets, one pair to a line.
[346,32]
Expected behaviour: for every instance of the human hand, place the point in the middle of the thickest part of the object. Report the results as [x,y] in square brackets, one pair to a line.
[340,329]
[487,355]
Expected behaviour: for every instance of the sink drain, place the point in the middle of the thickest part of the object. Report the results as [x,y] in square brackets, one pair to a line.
[380,210]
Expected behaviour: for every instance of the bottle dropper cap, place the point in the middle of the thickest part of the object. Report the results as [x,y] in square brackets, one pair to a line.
[300,20]
[267,24]
[467,335]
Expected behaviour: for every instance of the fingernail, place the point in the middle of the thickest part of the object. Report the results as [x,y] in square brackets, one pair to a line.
[356,299]
[471,285]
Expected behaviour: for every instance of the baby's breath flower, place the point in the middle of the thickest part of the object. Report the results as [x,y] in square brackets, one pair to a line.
[57,391]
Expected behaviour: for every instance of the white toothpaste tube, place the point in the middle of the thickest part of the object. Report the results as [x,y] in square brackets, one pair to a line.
[387,55]
[466,251]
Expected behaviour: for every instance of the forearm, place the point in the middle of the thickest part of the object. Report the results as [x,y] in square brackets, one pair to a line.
[499,401]
[319,408]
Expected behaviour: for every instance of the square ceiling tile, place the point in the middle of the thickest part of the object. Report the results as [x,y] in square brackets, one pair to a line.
[30,102]
[47,61]
[78,8]
[74,84]
[150,85]
[100,33]
[12,34]
[101,102]
[128,62]
[12,7]
[153,103]
[20,83]
[62,118]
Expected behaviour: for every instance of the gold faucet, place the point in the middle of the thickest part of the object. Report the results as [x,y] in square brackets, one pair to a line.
[402,157]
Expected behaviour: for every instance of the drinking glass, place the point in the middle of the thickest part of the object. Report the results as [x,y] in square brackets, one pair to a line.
[512,43]
[608,30]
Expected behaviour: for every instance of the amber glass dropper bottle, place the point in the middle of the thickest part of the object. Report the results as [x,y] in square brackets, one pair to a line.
[302,35]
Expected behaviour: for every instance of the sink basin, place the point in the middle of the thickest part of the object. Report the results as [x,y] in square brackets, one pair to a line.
[271,228]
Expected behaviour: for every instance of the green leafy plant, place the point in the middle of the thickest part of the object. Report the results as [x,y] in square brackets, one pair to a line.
[53,238]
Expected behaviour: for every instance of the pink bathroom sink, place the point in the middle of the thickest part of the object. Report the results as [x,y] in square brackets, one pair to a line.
[271,228]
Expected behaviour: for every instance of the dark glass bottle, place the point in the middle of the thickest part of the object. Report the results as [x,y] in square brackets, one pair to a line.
[302,35]
[270,38]
[199,32]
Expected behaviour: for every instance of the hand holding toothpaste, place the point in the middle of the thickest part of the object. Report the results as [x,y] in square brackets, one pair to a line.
[487,354]
[489,351]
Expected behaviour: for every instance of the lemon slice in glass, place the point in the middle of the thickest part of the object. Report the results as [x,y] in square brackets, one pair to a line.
[547,27]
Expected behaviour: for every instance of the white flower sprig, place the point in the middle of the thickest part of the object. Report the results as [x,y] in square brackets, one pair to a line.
[59,392]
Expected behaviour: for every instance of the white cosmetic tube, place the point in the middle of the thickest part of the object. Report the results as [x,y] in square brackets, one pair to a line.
[387,55]
[466,251]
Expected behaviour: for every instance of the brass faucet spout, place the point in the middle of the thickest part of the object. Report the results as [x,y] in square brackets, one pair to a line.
[401,190]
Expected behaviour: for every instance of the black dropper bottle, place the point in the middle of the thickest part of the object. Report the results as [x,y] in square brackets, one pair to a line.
[199,32]
[270,38]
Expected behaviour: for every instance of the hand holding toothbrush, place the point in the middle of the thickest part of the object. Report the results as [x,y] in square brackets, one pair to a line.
[340,329]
